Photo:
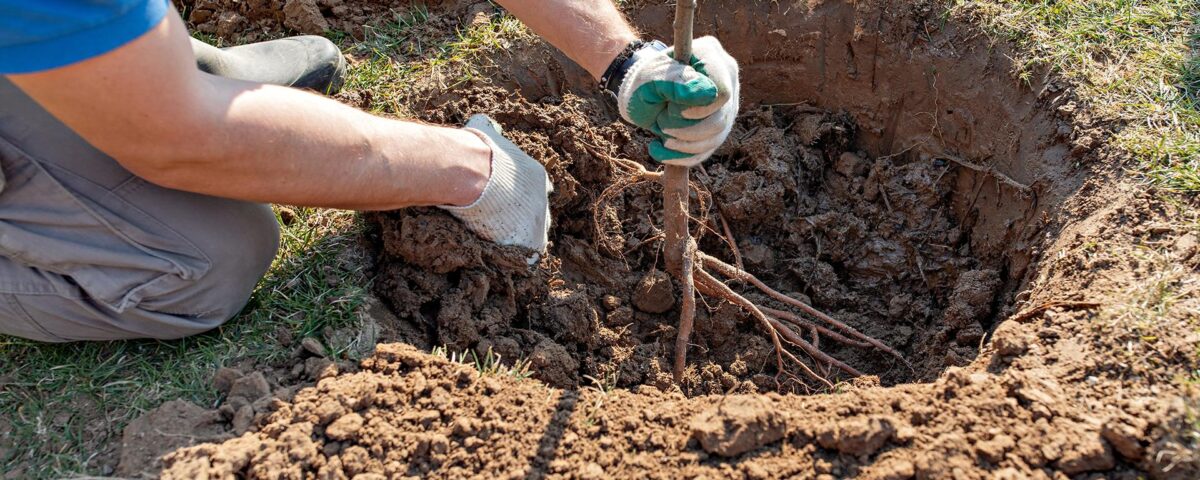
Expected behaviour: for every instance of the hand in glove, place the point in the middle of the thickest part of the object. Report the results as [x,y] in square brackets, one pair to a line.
[514,208]
[691,108]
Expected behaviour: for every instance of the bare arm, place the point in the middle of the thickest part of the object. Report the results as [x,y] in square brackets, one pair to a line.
[590,32]
[147,106]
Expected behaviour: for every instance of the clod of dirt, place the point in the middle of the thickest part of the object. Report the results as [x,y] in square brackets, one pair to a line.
[172,425]
[1090,453]
[993,450]
[1011,339]
[223,380]
[250,387]
[304,16]
[312,346]
[654,293]
[553,364]
[345,427]
[858,436]
[738,425]
[242,419]
[1125,438]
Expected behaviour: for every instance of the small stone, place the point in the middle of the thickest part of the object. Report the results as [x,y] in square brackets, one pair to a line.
[313,346]
[242,420]
[345,427]
[224,378]
[654,294]
[251,387]
[369,476]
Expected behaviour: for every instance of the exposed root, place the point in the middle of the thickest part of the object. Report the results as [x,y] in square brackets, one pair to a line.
[729,271]
[637,174]
[687,312]
[689,268]
[1025,190]
[710,286]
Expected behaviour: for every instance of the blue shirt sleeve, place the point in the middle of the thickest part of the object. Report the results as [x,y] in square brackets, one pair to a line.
[38,35]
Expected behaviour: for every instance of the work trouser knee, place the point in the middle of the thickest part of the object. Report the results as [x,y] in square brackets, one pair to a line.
[89,251]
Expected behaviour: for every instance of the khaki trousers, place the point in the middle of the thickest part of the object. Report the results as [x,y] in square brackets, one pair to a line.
[89,251]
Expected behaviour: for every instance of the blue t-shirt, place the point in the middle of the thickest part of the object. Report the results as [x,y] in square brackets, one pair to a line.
[40,35]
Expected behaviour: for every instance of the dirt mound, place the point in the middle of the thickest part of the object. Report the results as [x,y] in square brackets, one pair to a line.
[408,414]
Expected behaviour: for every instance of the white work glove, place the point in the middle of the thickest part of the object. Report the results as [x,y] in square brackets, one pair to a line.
[514,208]
[690,108]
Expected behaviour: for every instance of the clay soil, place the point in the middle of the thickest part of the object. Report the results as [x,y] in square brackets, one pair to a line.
[906,204]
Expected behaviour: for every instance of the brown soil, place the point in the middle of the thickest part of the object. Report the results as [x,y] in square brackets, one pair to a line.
[969,221]
[873,242]
[411,415]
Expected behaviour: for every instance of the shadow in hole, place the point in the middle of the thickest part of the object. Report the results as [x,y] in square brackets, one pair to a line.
[555,428]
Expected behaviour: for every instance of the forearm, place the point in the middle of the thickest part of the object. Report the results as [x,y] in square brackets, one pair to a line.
[590,32]
[281,145]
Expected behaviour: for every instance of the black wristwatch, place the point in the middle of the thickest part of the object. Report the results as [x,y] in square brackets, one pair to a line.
[615,73]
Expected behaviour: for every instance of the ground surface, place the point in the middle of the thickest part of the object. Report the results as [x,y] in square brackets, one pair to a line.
[916,250]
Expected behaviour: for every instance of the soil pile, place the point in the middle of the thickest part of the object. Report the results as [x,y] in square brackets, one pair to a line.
[408,414]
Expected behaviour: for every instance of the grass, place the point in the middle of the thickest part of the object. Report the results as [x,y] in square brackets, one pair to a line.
[415,46]
[1135,63]
[489,364]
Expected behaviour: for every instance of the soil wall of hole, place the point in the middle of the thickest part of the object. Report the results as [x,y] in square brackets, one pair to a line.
[887,168]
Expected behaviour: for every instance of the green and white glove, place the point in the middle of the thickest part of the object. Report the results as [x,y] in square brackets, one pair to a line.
[690,108]
[514,207]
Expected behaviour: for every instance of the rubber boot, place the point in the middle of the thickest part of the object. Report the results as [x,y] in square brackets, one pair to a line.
[309,61]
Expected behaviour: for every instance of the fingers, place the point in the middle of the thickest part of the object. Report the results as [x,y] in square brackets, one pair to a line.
[695,130]
[686,86]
